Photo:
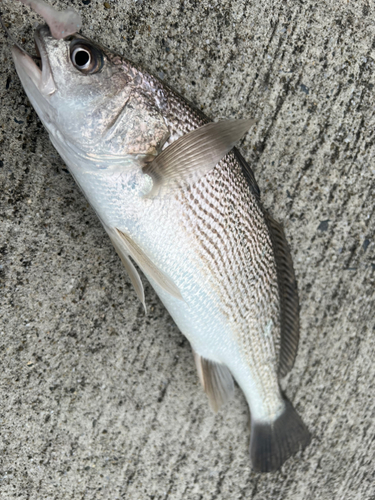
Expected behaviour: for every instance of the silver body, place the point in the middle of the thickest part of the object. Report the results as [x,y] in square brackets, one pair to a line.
[210,237]
[220,313]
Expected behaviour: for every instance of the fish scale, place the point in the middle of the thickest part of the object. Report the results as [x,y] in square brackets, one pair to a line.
[179,201]
[249,309]
[230,181]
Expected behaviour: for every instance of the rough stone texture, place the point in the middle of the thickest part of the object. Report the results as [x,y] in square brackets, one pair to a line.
[99,401]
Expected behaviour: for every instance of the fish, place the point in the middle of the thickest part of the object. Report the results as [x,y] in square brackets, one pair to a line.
[178,200]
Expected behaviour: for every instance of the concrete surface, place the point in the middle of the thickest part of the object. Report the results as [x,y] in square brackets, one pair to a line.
[99,401]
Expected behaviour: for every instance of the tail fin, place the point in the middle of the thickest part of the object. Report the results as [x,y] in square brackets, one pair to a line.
[272,443]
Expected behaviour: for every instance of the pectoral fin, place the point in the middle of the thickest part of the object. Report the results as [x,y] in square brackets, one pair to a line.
[146,264]
[216,379]
[194,154]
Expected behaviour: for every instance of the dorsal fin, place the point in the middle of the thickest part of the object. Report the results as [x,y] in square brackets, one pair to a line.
[248,174]
[288,291]
[216,379]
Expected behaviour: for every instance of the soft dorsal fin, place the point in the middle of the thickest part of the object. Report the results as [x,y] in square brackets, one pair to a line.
[288,297]
[216,379]
[146,264]
[194,154]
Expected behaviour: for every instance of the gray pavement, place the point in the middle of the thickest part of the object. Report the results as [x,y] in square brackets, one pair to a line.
[99,401]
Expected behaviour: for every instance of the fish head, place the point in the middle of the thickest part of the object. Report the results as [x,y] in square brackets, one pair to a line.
[96,106]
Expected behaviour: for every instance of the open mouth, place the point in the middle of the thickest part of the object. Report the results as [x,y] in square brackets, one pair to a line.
[36,67]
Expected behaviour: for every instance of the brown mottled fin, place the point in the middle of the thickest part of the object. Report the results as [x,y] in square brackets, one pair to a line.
[216,379]
[288,297]
[146,264]
[189,158]
[131,270]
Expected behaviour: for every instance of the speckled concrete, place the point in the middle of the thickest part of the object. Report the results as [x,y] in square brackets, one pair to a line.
[99,401]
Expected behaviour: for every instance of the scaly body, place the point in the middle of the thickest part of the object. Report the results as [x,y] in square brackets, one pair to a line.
[213,242]
[218,262]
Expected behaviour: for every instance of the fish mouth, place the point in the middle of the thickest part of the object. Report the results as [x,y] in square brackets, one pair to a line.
[37,68]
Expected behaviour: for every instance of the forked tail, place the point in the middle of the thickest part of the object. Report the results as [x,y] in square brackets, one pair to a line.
[272,443]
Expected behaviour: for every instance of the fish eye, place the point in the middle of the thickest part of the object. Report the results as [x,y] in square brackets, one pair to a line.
[85,57]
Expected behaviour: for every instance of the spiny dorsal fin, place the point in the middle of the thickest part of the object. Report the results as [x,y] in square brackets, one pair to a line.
[216,379]
[288,297]
[248,173]
[194,154]
[147,266]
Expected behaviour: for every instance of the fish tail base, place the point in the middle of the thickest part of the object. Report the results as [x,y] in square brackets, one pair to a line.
[274,442]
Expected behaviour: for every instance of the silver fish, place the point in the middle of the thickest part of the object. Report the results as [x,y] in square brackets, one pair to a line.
[179,200]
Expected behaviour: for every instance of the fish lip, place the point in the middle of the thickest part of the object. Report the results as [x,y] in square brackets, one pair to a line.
[41,77]
[27,63]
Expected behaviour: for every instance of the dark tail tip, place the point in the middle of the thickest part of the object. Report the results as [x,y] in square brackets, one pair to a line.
[272,443]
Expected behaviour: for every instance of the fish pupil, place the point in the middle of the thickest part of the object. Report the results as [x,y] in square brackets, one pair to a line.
[81,58]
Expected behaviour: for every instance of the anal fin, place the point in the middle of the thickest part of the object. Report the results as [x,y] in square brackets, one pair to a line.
[216,379]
